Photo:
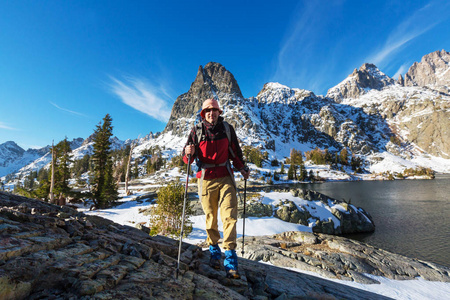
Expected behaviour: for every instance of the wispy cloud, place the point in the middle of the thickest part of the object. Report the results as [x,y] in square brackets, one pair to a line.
[143,96]
[67,110]
[5,126]
[414,26]
[402,70]
[299,34]
[305,38]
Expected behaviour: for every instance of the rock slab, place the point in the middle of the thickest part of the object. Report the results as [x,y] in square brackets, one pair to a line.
[53,252]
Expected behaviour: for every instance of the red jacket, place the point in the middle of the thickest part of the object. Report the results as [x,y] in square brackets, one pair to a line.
[213,149]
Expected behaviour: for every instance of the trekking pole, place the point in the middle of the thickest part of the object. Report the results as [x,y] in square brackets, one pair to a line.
[182,218]
[243,227]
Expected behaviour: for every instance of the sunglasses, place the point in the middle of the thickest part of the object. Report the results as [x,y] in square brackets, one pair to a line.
[207,110]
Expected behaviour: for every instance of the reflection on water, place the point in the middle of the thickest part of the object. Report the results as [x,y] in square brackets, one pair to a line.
[412,217]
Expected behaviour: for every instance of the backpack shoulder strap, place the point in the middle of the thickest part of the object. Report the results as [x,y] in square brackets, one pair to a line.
[199,132]
[228,132]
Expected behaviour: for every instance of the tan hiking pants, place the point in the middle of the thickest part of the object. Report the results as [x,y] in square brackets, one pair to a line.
[220,193]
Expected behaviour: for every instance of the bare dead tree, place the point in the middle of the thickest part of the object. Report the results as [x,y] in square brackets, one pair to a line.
[52,182]
[127,173]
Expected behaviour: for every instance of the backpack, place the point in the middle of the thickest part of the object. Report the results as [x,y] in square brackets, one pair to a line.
[200,166]
[200,134]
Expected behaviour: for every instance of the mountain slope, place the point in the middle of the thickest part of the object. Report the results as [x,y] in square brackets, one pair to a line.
[432,70]
[416,109]
[369,113]
[13,157]
[279,118]
[211,81]
[367,78]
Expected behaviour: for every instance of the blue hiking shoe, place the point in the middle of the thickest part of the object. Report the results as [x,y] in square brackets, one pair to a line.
[231,264]
[216,255]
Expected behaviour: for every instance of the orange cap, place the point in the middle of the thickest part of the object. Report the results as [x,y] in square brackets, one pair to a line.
[210,103]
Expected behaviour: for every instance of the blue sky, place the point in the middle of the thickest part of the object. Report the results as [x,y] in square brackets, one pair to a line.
[65,64]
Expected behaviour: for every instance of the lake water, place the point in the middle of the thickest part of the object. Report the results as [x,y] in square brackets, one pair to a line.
[412,217]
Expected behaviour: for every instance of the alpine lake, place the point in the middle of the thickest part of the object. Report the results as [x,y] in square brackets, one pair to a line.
[412,217]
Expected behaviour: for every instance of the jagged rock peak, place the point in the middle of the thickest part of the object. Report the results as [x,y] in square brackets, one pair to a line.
[10,151]
[276,92]
[359,82]
[400,80]
[213,80]
[216,74]
[433,69]
[12,146]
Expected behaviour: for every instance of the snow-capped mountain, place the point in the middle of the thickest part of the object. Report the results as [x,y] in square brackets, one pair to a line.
[432,70]
[361,81]
[13,157]
[369,113]
[280,118]
[416,109]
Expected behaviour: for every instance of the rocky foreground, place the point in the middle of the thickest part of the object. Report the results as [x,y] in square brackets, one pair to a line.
[52,252]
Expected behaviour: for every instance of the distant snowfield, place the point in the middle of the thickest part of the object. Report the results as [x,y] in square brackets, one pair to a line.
[128,214]
[394,163]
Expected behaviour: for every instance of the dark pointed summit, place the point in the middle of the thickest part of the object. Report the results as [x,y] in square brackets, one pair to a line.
[213,80]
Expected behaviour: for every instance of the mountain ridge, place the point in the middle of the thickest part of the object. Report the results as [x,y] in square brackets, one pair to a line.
[368,113]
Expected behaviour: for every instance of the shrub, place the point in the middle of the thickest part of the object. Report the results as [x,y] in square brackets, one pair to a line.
[253,155]
[395,140]
[419,171]
[165,217]
[356,163]
[317,156]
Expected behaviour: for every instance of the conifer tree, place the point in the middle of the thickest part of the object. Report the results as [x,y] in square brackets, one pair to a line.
[291,172]
[62,167]
[296,162]
[343,156]
[103,183]
[303,173]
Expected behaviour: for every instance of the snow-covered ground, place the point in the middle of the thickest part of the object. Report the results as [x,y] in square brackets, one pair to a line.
[128,214]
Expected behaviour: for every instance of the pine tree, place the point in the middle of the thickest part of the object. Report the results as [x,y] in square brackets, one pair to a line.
[104,186]
[343,156]
[303,173]
[296,162]
[81,166]
[62,167]
[136,168]
[291,172]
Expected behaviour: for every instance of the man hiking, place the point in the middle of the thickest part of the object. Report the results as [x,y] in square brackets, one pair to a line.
[213,142]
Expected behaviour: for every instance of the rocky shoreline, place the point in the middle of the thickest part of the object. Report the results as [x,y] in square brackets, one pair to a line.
[339,258]
[344,218]
[48,251]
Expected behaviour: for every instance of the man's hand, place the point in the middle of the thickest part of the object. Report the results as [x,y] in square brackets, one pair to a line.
[245,173]
[189,150]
